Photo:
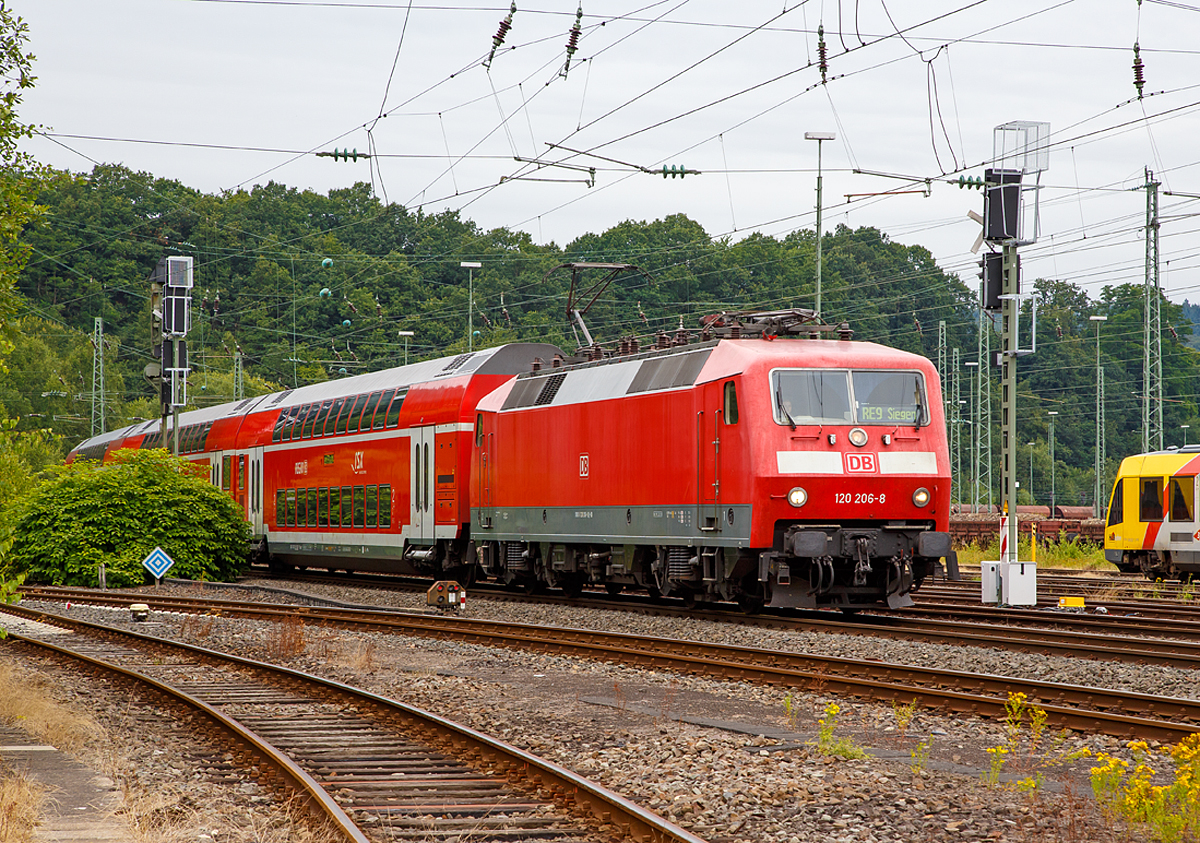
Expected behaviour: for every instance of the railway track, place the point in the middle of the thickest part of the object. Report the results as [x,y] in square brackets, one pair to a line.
[371,768]
[1096,637]
[1083,708]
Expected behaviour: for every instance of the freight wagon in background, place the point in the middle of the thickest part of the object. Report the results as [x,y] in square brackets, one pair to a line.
[765,459]
[981,525]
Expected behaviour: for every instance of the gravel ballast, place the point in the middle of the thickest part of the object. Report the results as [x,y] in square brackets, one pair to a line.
[729,761]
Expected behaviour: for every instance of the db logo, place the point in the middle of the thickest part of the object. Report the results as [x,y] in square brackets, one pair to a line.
[356,464]
[584,465]
[861,463]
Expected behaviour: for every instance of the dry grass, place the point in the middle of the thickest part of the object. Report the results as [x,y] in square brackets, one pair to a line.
[27,704]
[288,640]
[153,811]
[199,626]
[21,801]
[159,817]
[363,657]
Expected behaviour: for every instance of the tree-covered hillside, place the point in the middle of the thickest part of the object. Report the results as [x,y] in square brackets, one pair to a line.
[308,287]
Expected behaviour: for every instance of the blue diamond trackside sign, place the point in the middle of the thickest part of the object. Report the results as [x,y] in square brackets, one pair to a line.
[158,563]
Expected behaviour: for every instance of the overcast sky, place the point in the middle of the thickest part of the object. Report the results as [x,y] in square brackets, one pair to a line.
[226,94]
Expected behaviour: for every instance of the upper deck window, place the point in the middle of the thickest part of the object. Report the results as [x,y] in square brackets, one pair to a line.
[836,396]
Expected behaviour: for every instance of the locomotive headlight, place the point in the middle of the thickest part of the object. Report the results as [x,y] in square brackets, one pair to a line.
[797,497]
[921,496]
[858,437]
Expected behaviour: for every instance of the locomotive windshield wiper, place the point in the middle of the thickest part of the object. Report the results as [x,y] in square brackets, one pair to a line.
[782,409]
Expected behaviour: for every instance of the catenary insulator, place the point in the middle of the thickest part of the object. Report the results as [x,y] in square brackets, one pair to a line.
[573,39]
[1139,71]
[498,38]
[822,54]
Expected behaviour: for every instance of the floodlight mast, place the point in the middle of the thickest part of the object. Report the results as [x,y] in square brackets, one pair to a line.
[819,137]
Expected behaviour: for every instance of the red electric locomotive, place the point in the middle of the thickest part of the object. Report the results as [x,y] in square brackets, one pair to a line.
[782,470]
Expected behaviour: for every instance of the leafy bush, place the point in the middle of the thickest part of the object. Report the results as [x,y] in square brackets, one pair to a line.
[116,513]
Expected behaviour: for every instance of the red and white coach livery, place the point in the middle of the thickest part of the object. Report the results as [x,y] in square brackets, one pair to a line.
[364,473]
[772,462]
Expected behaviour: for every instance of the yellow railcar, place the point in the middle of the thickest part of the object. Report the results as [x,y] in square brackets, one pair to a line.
[1152,523]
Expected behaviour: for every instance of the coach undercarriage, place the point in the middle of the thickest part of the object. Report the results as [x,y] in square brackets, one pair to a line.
[1154,564]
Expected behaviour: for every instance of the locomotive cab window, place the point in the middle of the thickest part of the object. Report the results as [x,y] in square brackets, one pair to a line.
[865,397]
[811,396]
[1150,499]
[1116,509]
[1182,497]
[889,398]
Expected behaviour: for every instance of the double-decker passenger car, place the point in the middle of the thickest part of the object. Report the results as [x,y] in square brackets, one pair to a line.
[364,473]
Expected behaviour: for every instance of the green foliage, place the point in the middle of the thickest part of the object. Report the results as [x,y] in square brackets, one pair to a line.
[18,171]
[827,744]
[24,457]
[1170,812]
[116,513]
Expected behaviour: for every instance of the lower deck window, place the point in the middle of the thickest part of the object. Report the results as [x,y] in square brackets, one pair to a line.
[359,505]
[372,506]
[385,505]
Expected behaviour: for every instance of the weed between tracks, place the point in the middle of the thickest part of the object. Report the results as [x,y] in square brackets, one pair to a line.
[1170,812]
[287,642]
[199,626]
